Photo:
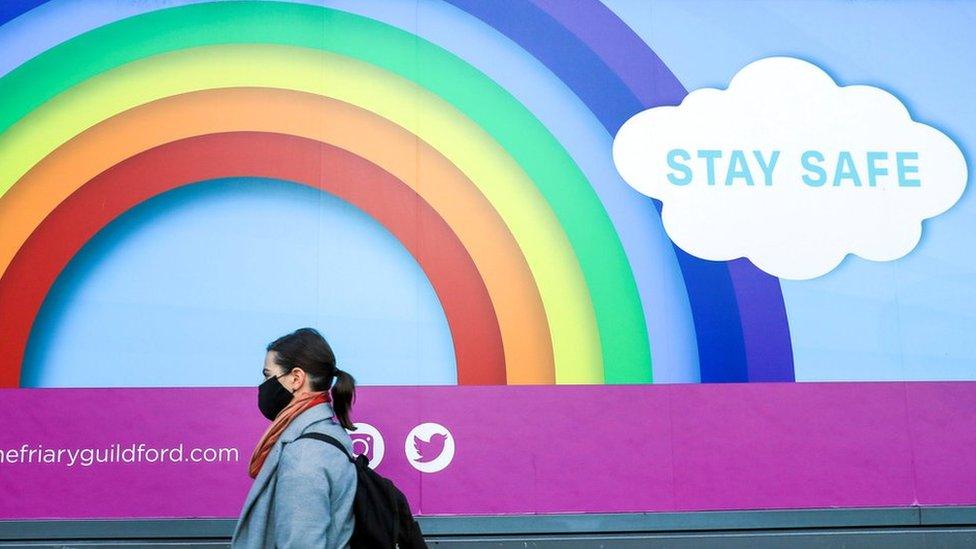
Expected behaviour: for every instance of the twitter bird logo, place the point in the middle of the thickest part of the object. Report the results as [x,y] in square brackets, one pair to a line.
[429,450]
[429,447]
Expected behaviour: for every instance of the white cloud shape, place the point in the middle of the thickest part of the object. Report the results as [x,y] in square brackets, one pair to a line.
[789,169]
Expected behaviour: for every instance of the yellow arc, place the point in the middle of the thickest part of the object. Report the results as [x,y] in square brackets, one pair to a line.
[572,324]
[514,295]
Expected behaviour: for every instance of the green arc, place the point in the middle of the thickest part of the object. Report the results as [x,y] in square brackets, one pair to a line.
[625,349]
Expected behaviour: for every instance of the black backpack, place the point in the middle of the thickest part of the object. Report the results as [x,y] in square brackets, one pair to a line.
[382,514]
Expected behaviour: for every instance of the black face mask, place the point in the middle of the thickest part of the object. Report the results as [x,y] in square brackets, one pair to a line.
[273,397]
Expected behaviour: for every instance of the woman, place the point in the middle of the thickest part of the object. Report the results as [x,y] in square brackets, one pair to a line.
[303,490]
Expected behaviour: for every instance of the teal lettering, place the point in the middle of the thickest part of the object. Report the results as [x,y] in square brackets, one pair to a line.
[903,169]
[738,168]
[821,173]
[873,170]
[846,170]
[710,156]
[767,168]
[674,165]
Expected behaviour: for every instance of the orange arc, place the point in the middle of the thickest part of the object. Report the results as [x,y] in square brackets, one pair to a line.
[497,256]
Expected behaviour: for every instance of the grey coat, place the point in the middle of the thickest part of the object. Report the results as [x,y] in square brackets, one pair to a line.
[302,497]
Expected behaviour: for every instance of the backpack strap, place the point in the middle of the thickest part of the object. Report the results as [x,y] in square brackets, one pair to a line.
[330,440]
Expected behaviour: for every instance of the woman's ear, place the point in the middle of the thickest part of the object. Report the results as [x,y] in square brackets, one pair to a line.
[297,379]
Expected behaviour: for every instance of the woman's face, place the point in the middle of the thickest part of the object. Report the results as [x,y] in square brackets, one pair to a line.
[294,380]
[270,368]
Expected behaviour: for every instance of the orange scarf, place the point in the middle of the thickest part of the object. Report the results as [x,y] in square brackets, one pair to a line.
[298,404]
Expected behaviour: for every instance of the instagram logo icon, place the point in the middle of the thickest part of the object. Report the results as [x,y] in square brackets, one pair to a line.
[367,441]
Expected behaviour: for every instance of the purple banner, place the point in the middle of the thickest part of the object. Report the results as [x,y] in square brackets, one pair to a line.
[183,452]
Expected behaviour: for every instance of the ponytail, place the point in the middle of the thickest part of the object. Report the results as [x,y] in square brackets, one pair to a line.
[343,395]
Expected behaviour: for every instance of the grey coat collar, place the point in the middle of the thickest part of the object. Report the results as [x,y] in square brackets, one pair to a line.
[315,414]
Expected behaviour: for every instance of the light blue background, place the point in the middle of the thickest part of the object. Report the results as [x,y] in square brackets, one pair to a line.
[911,319]
[212,269]
[659,280]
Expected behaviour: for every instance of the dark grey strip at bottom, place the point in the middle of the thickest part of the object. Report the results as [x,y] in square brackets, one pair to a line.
[545,530]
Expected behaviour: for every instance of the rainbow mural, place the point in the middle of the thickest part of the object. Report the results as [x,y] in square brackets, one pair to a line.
[535,248]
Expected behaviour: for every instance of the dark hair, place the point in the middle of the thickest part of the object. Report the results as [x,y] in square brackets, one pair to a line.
[305,348]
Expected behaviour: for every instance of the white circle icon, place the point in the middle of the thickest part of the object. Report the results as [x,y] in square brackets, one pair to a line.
[366,439]
[429,447]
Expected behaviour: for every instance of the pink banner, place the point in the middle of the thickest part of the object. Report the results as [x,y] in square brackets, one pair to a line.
[183,452]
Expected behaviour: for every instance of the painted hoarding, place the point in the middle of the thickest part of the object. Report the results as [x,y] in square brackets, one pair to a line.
[433,186]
